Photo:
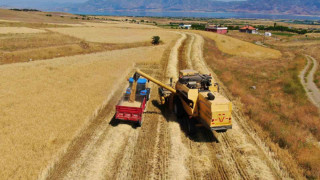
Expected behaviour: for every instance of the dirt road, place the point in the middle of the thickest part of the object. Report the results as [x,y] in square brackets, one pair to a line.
[310,87]
[160,149]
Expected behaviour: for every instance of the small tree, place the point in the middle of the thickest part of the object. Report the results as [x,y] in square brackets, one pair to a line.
[155,40]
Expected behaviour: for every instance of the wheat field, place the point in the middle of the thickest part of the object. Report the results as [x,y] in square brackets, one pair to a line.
[314,35]
[237,47]
[114,33]
[44,103]
[115,24]
[18,30]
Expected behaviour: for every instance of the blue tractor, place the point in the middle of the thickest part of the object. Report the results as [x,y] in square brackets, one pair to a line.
[142,88]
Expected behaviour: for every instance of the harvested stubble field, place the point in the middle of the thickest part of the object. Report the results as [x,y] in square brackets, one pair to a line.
[121,25]
[38,17]
[106,34]
[313,35]
[16,42]
[44,104]
[160,149]
[18,30]
[57,115]
[39,46]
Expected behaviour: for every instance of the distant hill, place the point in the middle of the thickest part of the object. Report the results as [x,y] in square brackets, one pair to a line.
[303,7]
[296,7]
[299,7]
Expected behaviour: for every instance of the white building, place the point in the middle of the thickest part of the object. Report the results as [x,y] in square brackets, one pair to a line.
[269,34]
[185,26]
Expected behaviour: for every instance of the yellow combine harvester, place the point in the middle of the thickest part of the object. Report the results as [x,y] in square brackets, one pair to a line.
[194,99]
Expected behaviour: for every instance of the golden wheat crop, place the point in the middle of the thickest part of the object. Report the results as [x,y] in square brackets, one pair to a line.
[316,35]
[3,20]
[237,47]
[115,24]
[16,30]
[114,34]
[44,103]
[298,43]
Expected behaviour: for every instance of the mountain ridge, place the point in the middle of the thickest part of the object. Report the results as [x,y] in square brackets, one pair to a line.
[279,7]
[298,7]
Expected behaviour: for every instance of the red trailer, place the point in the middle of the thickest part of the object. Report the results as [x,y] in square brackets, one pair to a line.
[127,110]
[131,111]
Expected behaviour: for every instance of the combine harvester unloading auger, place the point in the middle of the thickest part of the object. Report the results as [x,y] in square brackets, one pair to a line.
[194,100]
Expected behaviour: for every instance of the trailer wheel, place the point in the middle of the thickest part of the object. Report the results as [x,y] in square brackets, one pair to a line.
[140,122]
[148,94]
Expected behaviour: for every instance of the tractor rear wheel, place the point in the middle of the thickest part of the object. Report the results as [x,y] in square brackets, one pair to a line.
[178,109]
[190,126]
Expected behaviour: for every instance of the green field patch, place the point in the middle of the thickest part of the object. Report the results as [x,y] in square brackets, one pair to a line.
[283,34]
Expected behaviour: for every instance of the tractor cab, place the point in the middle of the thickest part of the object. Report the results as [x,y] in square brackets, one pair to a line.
[141,89]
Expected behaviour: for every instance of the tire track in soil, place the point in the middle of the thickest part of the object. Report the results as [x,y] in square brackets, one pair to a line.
[243,153]
[179,152]
[137,160]
[200,161]
[101,156]
[172,67]
[148,158]
[188,51]
[229,148]
[106,152]
[204,161]
[235,159]
[156,155]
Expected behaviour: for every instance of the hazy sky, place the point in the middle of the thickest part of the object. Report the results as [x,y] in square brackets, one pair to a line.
[45,3]
[32,1]
[64,1]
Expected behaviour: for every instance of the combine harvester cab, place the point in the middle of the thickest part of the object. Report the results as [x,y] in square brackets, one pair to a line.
[127,110]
